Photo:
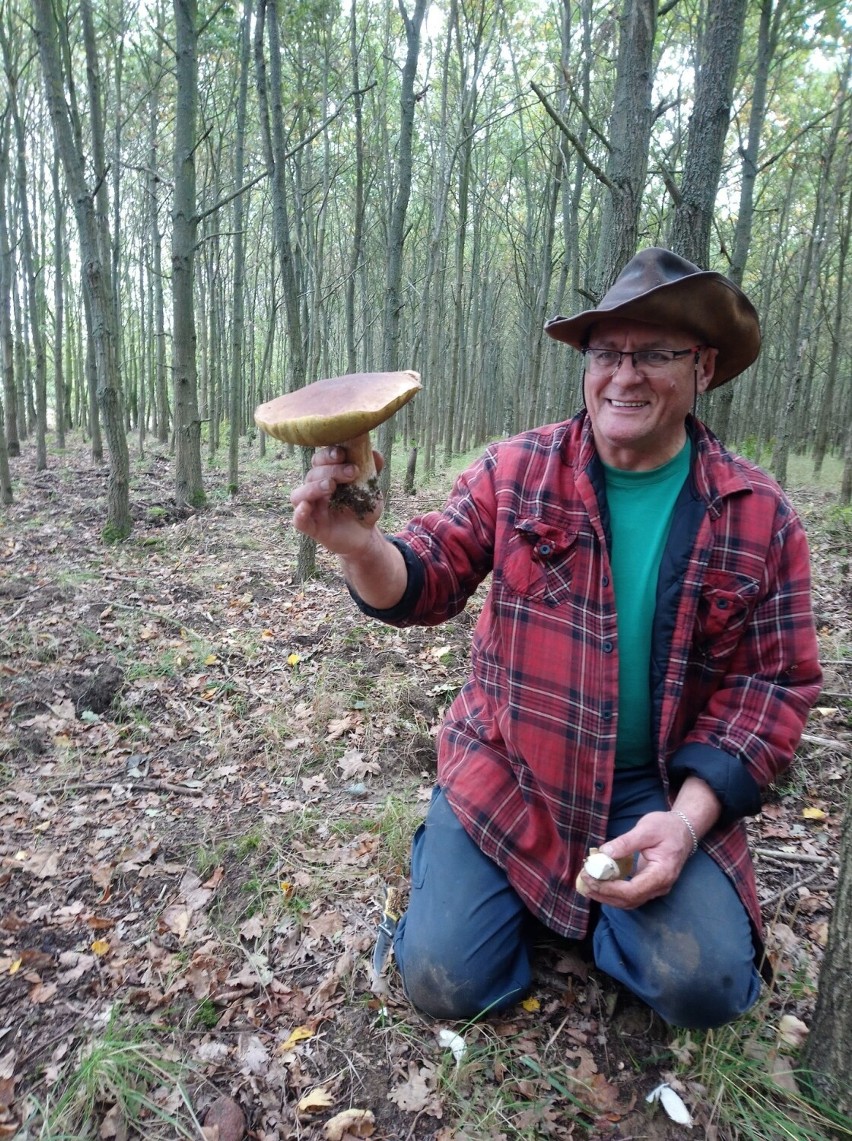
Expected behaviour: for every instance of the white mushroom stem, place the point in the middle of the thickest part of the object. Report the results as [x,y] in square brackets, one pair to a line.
[599,866]
[359,451]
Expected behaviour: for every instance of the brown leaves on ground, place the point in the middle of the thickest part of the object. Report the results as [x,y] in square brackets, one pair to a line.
[210,773]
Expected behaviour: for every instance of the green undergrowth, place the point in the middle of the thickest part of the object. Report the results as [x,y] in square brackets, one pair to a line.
[117,1075]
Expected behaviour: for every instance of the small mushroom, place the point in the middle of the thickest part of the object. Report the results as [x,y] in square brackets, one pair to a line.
[600,866]
[341,411]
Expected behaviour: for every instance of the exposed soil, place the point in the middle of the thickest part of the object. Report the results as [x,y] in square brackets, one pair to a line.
[209,773]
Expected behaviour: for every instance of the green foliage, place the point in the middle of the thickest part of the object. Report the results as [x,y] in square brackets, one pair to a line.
[115,533]
[206,1014]
[757,1092]
[121,1073]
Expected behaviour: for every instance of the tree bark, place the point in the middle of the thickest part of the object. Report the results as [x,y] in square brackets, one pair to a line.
[272,121]
[33,275]
[235,396]
[629,140]
[96,275]
[189,484]
[396,230]
[718,53]
[828,1050]
[7,339]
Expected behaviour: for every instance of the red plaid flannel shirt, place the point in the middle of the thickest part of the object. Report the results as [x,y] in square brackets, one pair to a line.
[526,752]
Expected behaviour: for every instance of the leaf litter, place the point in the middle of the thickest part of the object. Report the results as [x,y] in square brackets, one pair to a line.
[210,774]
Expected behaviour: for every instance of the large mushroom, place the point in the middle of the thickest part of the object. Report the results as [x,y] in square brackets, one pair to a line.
[341,411]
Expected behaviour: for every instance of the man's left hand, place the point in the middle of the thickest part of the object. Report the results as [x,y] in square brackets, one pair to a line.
[663,844]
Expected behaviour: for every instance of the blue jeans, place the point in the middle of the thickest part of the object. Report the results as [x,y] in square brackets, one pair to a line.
[463,945]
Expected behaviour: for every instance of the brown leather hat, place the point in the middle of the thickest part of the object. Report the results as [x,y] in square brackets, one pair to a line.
[662,288]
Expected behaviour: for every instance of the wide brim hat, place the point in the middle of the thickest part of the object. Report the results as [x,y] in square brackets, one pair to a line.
[661,288]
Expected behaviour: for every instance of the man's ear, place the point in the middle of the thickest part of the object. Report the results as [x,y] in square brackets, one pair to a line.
[706,367]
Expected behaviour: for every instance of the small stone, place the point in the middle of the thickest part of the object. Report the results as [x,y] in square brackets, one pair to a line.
[227,1115]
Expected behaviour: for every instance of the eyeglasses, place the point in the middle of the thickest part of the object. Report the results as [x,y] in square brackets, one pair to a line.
[607,362]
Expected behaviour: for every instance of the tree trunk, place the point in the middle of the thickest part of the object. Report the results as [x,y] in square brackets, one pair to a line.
[6,496]
[33,275]
[58,307]
[767,43]
[96,274]
[189,484]
[718,53]
[235,396]
[828,1051]
[629,139]
[356,257]
[805,299]
[160,400]
[7,339]
[272,119]
[824,415]
[396,230]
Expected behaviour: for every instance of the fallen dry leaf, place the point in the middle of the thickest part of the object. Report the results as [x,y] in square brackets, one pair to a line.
[417,1094]
[350,1123]
[315,1101]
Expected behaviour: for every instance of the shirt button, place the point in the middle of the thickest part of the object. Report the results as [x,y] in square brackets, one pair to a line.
[599,786]
[544,549]
[607,715]
[605,580]
[607,647]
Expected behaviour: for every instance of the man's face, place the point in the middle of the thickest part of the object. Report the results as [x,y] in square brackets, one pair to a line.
[637,412]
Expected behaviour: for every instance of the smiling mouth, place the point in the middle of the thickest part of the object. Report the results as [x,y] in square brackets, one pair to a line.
[628,403]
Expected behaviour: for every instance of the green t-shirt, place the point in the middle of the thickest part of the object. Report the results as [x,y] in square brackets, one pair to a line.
[641,505]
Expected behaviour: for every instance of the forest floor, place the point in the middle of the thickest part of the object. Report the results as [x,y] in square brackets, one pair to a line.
[208,775]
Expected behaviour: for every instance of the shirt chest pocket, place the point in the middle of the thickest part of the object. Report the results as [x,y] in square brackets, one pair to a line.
[538,561]
[724,609]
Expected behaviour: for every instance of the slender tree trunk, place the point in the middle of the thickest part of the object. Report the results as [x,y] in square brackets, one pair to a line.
[771,12]
[357,253]
[235,396]
[96,275]
[629,138]
[6,494]
[58,307]
[805,299]
[396,231]
[719,51]
[7,339]
[272,121]
[828,1051]
[189,484]
[33,276]
[824,414]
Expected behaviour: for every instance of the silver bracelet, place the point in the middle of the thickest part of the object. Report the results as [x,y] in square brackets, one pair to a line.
[692,831]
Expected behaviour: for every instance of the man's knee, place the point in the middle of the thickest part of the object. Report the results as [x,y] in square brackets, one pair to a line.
[705,1002]
[433,990]
[448,975]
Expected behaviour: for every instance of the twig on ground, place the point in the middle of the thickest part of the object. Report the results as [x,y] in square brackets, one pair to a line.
[791,887]
[829,742]
[137,786]
[789,857]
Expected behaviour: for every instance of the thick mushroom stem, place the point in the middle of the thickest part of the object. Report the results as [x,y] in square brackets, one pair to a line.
[362,495]
[359,451]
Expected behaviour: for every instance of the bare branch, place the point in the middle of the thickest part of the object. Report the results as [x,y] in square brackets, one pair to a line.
[600,174]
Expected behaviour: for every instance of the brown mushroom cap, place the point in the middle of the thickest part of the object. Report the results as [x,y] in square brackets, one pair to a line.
[336,409]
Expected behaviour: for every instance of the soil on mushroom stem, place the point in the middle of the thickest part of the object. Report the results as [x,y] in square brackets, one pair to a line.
[210,773]
[358,497]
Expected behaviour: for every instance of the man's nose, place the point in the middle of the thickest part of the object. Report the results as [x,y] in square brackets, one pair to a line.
[628,359]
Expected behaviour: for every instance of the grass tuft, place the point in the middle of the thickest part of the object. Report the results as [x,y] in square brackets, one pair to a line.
[120,1076]
[754,1087]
